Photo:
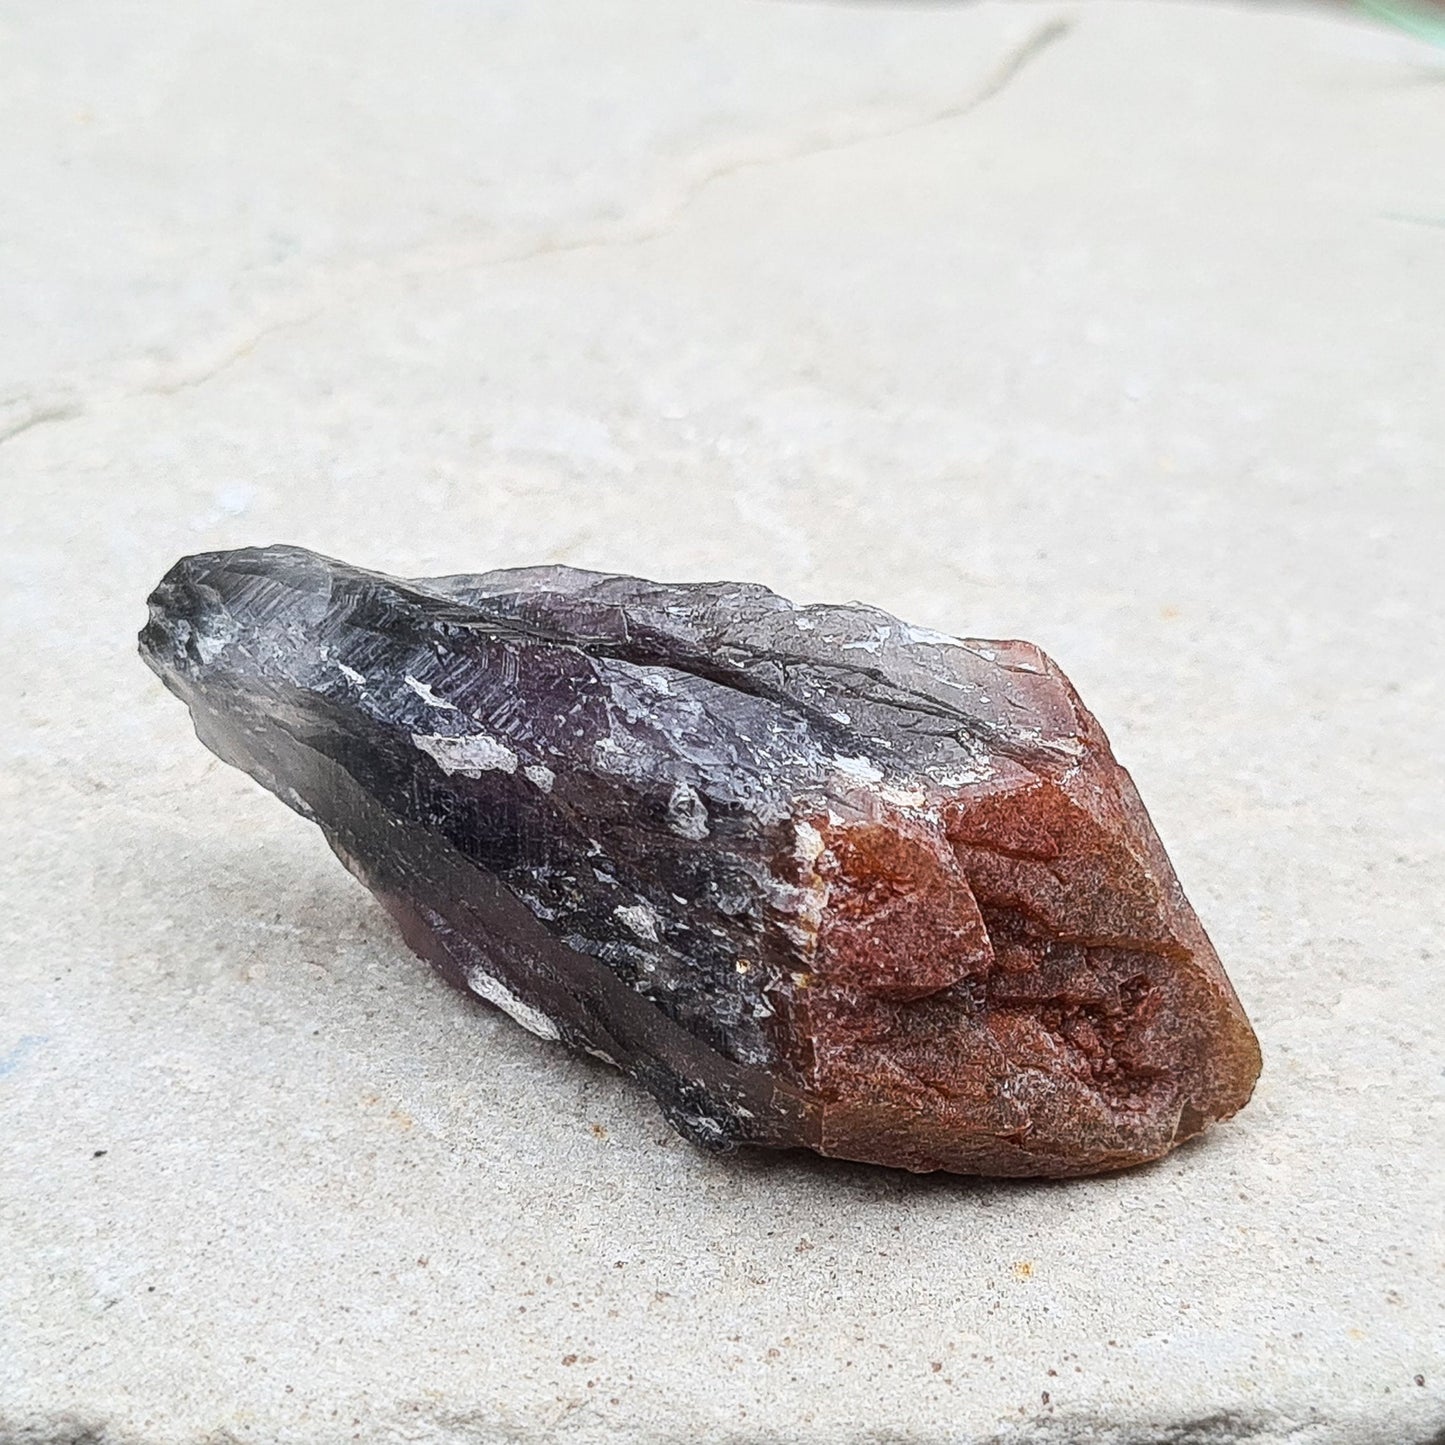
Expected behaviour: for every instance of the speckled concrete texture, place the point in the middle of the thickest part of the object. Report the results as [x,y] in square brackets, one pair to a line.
[1115,327]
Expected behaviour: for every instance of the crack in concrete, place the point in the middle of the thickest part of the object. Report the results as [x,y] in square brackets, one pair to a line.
[37,413]
[1404,218]
[649,224]
[1008,69]
[185,381]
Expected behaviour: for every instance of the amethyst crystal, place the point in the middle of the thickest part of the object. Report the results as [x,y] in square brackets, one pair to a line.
[810,875]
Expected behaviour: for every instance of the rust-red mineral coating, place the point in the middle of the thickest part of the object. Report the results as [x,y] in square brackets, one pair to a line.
[810,875]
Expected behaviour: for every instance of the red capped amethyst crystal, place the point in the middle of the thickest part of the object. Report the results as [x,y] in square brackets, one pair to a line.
[810,875]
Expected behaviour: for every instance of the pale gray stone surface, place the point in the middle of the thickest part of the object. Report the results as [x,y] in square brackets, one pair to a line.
[1114,327]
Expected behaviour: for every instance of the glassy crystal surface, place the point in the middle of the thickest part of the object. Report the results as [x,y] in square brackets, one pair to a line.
[813,877]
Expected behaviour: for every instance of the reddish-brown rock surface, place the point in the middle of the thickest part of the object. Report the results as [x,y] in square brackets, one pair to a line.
[812,876]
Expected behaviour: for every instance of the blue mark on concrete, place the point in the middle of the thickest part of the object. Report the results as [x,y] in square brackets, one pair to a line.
[17,1056]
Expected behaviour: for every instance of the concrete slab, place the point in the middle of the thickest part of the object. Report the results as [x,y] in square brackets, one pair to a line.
[1115,327]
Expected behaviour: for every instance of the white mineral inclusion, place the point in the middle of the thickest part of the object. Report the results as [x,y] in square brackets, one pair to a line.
[903,797]
[809,846]
[210,640]
[351,674]
[640,919]
[541,775]
[470,756]
[424,692]
[927,636]
[805,903]
[962,777]
[860,768]
[687,813]
[531,1019]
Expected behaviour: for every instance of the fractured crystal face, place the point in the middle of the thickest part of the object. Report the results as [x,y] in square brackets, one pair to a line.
[810,875]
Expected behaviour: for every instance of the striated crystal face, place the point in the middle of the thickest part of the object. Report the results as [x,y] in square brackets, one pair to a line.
[810,875]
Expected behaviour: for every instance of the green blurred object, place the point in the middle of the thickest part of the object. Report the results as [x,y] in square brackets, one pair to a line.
[1428,23]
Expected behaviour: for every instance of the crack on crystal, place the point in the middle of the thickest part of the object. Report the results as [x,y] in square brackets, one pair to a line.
[1090,1030]
[918,704]
[1153,947]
